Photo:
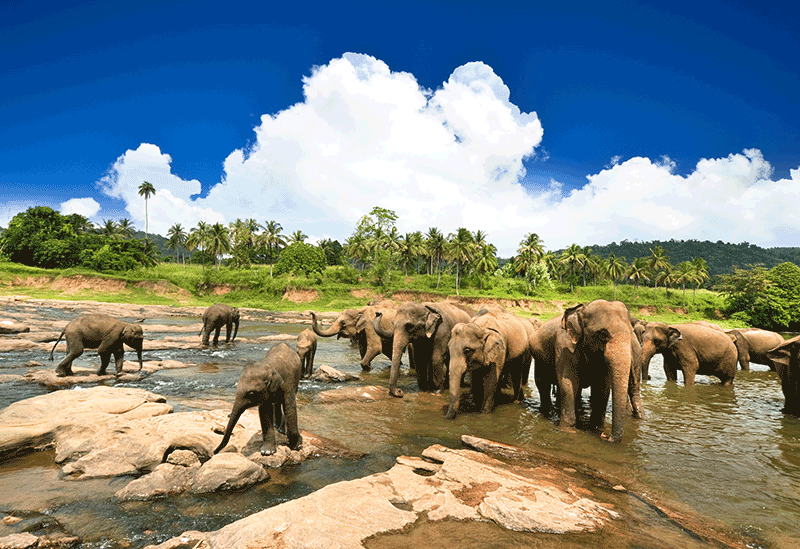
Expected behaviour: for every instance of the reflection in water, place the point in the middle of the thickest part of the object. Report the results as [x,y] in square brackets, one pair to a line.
[726,452]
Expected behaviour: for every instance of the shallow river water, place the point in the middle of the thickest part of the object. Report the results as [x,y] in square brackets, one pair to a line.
[727,453]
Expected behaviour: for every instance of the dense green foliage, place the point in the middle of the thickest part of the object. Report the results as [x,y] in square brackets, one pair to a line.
[300,258]
[764,298]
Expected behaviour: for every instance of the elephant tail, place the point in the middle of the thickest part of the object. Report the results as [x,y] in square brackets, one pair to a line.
[56,344]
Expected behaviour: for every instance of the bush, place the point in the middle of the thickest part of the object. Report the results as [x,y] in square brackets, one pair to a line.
[300,258]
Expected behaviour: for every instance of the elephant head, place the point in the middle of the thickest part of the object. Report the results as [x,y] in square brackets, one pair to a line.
[133,336]
[472,347]
[345,325]
[658,337]
[786,358]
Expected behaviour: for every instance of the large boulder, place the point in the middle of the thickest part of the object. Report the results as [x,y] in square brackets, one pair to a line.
[227,471]
[368,393]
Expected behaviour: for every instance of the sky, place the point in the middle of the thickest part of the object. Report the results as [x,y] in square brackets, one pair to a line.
[583,122]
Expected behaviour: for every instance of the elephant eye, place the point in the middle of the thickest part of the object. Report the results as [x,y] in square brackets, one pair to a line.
[468,350]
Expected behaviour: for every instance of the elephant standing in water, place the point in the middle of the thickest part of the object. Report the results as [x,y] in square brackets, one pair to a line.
[217,316]
[491,345]
[101,332]
[693,348]
[786,358]
[426,328]
[357,326]
[306,349]
[271,384]
[597,348]
[753,344]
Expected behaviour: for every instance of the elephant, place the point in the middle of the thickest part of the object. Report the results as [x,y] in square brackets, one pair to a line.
[101,332]
[752,345]
[271,384]
[596,347]
[357,326]
[542,344]
[217,316]
[306,349]
[491,345]
[639,326]
[425,327]
[786,359]
[693,348]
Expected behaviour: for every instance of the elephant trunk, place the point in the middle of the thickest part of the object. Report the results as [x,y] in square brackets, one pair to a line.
[331,331]
[379,329]
[399,345]
[235,329]
[648,352]
[620,376]
[458,366]
[139,356]
[236,413]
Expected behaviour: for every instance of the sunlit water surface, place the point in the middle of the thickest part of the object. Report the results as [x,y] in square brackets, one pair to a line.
[728,453]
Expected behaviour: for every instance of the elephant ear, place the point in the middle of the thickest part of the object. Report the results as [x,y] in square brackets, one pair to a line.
[494,348]
[673,336]
[361,321]
[432,321]
[571,322]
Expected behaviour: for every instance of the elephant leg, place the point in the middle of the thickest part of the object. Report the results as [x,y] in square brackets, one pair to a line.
[119,359]
[598,403]
[105,359]
[64,368]
[438,371]
[543,386]
[688,376]
[206,333]
[368,355]
[569,386]
[290,417]
[217,330]
[228,332]
[490,389]
[266,414]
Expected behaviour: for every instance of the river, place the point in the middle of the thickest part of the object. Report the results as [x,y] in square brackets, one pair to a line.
[727,453]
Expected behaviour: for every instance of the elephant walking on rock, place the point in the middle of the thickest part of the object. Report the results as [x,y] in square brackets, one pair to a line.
[271,384]
[693,348]
[217,316]
[101,332]
[490,346]
[425,329]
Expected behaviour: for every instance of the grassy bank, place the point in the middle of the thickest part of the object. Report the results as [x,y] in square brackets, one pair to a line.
[338,288]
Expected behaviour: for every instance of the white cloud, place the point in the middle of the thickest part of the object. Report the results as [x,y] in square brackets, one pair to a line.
[87,207]
[452,157]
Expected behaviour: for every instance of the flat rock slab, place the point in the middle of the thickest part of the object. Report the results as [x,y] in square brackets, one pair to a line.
[12,327]
[444,484]
[328,374]
[85,376]
[368,393]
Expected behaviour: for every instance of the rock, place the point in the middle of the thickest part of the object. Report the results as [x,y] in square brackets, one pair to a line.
[165,480]
[327,374]
[184,458]
[8,520]
[19,541]
[11,327]
[51,380]
[6,378]
[227,471]
[369,393]
[41,421]
[464,485]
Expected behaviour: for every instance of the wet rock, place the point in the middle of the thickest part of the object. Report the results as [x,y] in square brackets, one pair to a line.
[16,344]
[19,541]
[11,327]
[227,471]
[327,374]
[7,378]
[453,484]
[184,458]
[369,393]
[58,417]
[81,376]
[165,480]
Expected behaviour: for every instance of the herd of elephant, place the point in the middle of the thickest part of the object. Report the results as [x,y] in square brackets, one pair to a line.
[598,345]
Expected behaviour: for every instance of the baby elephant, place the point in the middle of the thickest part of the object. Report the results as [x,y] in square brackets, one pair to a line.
[101,332]
[307,348]
[217,316]
[271,384]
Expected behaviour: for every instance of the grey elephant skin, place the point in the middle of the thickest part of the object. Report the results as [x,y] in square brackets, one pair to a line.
[306,350]
[492,345]
[425,329]
[357,326]
[217,316]
[271,384]
[101,332]
[753,345]
[693,348]
[596,347]
[786,358]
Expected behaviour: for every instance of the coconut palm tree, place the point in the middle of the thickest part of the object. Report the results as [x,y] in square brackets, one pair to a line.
[177,240]
[615,268]
[219,242]
[657,262]
[572,257]
[434,247]
[273,241]
[700,272]
[297,236]
[146,190]
[485,260]
[460,248]
[126,228]
[530,251]
[110,228]
[638,272]
[198,238]
[685,275]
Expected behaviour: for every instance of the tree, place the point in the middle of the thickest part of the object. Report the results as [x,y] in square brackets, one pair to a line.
[658,261]
[460,248]
[530,251]
[42,237]
[572,257]
[638,272]
[219,242]
[299,257]
[684,275]
[485,261]
[274,242]
[332,250]
[110,228]
[434,248]
[146,190]
[177,240]
[700,273]
[297,236]
[126,228]
[615,268]
[198,238]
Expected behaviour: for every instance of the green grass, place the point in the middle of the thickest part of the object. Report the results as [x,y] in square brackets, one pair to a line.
[172,284]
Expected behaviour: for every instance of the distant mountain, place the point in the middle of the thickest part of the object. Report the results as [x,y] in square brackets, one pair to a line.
[721,257]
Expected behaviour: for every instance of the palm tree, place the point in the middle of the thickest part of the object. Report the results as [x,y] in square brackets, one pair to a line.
[109,228]
[685,275]
[409,249]
[551,262]
[198,238]
[177,239]
[656,262]
[219,242]
[126,228]
[638,272]
[700,273]
[418,245]
[572,257]
[273,240]
[530,251]
[297,236]
[486,260]
[434,247]
[615,269]
[460,248]
[357,249]
[146,190]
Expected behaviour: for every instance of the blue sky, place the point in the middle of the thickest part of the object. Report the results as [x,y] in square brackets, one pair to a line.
[584,122]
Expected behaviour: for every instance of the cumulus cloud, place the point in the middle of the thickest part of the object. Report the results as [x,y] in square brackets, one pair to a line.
[368,136]
[87,207]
